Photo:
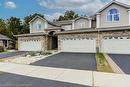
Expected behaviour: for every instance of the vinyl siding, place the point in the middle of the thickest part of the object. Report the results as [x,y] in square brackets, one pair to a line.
[123,17]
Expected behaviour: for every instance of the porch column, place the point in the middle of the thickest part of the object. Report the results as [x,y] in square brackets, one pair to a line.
[98,20]
[129,16]
[90,22]
[73,25]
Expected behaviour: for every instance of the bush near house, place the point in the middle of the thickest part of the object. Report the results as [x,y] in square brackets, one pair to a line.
[1,49]
[102,64]
[45,53]
[38,53]
[31,54]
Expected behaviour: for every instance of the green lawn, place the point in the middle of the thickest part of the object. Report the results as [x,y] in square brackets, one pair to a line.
[102,64]
[2,60]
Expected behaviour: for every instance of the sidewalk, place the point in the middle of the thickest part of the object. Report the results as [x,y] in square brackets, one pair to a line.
[83,77]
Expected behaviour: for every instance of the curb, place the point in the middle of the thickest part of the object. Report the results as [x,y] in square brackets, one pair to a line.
[113,65]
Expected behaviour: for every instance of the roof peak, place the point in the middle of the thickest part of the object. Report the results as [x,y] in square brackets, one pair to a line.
[114,2]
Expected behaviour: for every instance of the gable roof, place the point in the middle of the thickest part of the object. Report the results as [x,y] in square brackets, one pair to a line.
[64,22]
[37,16]
[114,2]
[67,22]
[86,17]
[3,37]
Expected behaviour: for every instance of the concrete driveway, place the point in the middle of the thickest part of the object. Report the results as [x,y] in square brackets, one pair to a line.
[123,61]
[81,61]
[10,54]
[13,80]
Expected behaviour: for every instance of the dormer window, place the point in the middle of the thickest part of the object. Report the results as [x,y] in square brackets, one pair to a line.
[38,25]
[113,15]
[81,24]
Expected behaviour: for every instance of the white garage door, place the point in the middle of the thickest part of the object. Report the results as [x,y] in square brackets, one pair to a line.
[79,45]
[117,45]
[30,45]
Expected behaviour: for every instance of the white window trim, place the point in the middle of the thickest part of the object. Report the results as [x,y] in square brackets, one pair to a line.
[81,24]
[112,17]
[37,25]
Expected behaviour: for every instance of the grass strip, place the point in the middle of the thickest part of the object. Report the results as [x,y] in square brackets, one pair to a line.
[102,64]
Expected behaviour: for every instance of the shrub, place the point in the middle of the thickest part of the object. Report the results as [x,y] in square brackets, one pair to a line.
[1,49]
[45,53]
[31,53]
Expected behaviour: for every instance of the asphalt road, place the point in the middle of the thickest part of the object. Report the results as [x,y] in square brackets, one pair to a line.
[81,61]
[122,60]
[10,54]
[13,80]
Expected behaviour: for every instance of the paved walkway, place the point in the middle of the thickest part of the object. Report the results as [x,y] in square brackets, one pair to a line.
[81,77]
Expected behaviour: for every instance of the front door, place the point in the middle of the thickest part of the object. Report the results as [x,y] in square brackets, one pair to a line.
[53,41]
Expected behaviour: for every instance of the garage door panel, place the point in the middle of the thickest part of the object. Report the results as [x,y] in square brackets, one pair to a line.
[30,45]
[116,46]
[79,45]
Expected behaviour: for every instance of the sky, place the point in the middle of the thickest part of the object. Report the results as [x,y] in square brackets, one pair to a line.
[50,8]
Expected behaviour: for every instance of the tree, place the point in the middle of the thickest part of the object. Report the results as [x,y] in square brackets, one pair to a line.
[13,26]
[61,18]
[3,29]
[69,15]
[27,19]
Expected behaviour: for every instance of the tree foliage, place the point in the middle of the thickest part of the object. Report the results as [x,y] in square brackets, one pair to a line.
[13,26]
[3,28]
[27,19]
[69,15]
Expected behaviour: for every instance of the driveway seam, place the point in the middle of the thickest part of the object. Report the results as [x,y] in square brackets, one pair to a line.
[93,79]
[113,65]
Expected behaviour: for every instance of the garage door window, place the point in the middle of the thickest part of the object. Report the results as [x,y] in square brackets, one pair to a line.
[116,37]
[128,37]
[110,37]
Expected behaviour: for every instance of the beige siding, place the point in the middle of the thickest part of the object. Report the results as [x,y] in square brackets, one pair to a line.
[79,21]
[33,26]
[67,27]
[123,17]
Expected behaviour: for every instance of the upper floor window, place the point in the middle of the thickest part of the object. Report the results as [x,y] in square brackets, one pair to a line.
[38,25]
[81,24]
[113,15]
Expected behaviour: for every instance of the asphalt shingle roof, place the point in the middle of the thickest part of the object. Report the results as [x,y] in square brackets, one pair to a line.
[3,37]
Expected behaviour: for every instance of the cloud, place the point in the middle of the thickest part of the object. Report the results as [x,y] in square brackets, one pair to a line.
[125,1]
[53,16]
[10,5]
[87,6]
